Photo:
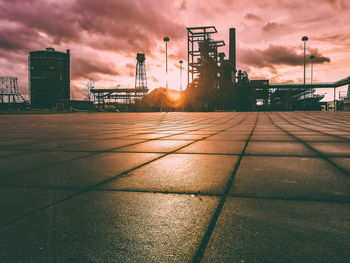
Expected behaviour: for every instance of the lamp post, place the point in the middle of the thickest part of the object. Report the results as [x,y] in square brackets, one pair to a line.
[180,62]
[305,38]
[182,102]
[312,66]
[312,69]
[166,40]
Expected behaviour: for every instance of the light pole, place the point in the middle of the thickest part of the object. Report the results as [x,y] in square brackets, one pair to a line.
[312,66]
[312,69]
[182,102]
[166,40]
[305,38]
[180,62]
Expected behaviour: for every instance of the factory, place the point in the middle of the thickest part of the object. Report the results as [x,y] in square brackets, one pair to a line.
[214,84]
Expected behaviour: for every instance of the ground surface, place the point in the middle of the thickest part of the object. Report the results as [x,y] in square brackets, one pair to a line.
[176,187]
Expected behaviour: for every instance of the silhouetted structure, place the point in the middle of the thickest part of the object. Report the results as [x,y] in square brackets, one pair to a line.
[118,98]
[203,67]
[49,77]
[10,98]
[140,77]
[162,98]
[215,83]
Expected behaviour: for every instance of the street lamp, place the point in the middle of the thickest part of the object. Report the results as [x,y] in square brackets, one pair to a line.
[305,38]
[181,62]
[312,68]
[166,40]
[182,102]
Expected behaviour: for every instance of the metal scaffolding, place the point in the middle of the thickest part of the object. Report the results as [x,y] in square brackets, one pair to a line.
[203,68]
[9,94]
[140,77]
[197,37]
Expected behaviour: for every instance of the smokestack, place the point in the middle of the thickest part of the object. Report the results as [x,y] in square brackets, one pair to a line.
[232,50]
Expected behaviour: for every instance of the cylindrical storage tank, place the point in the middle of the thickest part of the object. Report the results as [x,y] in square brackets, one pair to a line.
[49,77]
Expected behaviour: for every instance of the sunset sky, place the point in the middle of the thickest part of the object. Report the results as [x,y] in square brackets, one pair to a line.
[104,37]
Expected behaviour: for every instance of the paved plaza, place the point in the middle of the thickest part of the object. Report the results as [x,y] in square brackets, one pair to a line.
[176,187]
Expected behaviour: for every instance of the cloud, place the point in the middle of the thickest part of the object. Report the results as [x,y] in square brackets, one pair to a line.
[272,27]
[277,55]
[334,38]
[252,17]
[92,69]
[123,26]
[336,4]
[183,5]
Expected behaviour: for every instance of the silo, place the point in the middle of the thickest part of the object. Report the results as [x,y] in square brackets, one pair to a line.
[49,77]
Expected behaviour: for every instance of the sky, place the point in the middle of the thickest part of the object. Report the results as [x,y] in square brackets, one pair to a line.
[104,37]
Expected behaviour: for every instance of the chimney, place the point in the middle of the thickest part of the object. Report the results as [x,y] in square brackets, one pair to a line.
[232,51]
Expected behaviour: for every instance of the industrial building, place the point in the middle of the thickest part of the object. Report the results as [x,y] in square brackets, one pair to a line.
[214,83]
[122,99]
[10,98]
[49,77]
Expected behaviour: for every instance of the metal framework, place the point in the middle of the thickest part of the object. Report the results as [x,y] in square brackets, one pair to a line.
[196,36]
[127,96]
[140,77]
[9,93]
[309,88]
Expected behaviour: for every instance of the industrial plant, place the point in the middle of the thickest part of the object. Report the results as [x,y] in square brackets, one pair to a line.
[214,84]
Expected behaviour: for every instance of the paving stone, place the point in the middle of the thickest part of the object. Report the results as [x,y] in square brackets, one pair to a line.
[18,201]
[100,145]
[208,146]
[251,230]
[31,160]
[286,203]
[278,148]
[111,227]
[157,146]
[290,178]
[332,148]
[180,173]
[84,172]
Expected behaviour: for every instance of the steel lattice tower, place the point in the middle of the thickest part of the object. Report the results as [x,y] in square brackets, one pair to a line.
[140,78]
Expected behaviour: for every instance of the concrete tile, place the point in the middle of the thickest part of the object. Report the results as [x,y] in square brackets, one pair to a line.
[220,147]
[111,227]
[8,153]
[332,148]
[190,137]
[33,160]
[155,146]
[271,137]
[180,173]
[200,132]
[83,172]
[18,201]
[290,177]
[99,145]
[278,148]
[229,136]
[147,136]
[343,162]
[250,230]
[13,142]
[48,145]
[319,138]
